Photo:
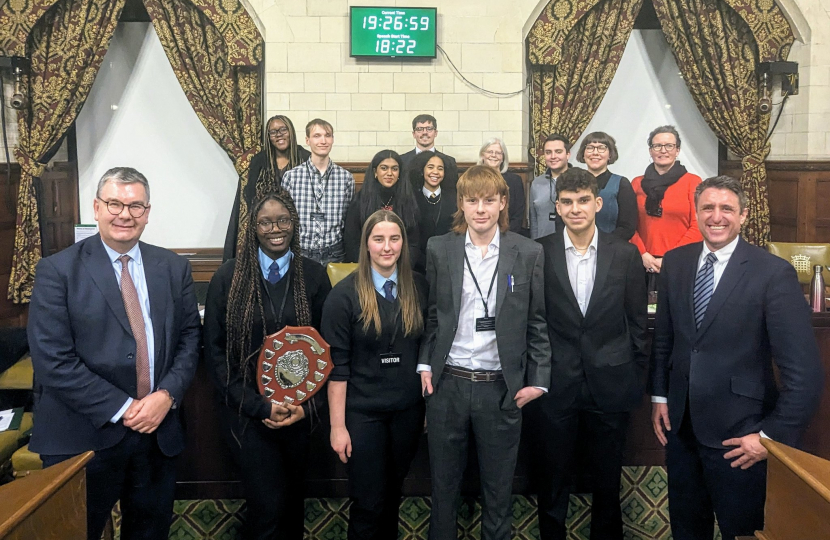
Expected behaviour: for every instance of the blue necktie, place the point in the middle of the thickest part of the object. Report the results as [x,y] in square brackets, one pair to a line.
[387,290]
[704,287]
[274,273]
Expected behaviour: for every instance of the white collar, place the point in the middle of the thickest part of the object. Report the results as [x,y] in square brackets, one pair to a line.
[570,245]
[428,193]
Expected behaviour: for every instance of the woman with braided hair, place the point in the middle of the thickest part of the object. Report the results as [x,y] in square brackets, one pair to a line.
[281,154]
[270,285]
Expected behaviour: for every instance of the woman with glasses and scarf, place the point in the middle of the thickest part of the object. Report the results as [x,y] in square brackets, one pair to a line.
[665,202]
[618,215]
[270,285]
[281,154]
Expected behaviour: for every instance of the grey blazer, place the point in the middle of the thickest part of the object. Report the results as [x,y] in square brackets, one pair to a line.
[521,329]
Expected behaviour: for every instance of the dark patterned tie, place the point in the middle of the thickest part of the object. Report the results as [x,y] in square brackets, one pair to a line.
[387,290]
[133,307]
[704,287]
[274,273]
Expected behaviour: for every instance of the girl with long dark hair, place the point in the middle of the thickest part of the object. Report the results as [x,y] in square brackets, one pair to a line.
[270,285]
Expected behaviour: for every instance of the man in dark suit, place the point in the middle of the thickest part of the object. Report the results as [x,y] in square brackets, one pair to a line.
[424,131]
[114,335]
[726,312]
[595,297]
[485,352]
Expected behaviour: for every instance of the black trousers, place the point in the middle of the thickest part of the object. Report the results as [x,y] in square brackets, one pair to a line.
[272,465]
[702,484]
[136,472]
[460,408]
[554,435]
[383,446]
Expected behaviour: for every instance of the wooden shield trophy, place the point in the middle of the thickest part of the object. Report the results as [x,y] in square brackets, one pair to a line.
[293,365]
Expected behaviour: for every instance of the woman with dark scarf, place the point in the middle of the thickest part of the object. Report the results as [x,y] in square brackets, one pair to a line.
[281,154]
[381,190]
[436,201]
[665,202]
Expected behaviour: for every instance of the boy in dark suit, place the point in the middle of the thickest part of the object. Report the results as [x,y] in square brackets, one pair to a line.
[485,352]
[595,297]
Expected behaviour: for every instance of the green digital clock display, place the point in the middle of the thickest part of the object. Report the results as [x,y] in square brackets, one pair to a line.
[393,32]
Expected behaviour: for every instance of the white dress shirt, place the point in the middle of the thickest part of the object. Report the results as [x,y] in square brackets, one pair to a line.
[418,150]
[582,269]
[136,269]
[427,193]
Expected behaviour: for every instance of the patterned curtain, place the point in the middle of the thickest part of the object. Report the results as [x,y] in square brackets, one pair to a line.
[66,48]
[223,87]
[718,53]
[568,86]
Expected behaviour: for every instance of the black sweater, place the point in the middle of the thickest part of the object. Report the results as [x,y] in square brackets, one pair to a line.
[233,390]
[435,220]
[356,354]
[354,226]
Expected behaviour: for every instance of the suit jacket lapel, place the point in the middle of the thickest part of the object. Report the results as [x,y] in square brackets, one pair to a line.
[455,259]
[605,255]
[100,267]
[508,251]
[155,272]
[560,268]
[732,274]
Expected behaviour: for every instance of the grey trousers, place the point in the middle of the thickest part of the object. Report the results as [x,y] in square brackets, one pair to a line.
[458,408]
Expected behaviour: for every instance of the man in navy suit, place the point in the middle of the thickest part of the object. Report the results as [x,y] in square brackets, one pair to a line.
[726,312]
[114,335]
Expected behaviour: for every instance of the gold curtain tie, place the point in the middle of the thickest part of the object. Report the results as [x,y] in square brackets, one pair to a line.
[29,165]
[755,160]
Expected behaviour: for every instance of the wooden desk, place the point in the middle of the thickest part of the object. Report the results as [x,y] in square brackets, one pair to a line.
[46,504]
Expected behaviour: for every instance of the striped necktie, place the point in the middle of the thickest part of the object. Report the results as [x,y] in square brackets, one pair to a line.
[704,287]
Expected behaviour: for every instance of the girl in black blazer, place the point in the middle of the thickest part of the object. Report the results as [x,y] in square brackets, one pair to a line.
[373,321]
[269,286]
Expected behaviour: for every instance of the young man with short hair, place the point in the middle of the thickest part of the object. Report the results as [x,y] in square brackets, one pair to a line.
[485,352]
[322,191]
[424,131]
[595,295]
[543,188]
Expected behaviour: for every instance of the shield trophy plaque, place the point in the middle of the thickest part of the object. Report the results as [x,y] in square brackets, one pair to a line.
[293,365]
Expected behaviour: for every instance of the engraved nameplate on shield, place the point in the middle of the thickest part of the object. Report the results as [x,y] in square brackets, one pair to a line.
[293,365]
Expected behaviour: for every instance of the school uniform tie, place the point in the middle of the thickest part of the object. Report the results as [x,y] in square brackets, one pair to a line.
[704,287]
[134,314]
[274,273]
[387,290]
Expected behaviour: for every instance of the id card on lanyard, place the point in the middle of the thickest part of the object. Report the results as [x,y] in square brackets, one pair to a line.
[486,323]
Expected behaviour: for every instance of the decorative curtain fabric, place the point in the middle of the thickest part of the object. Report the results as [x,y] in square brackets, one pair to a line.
[568,87]
[225,97]
[717,53]
[66,48]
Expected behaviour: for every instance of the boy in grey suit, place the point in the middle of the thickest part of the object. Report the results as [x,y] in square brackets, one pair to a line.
[485,352]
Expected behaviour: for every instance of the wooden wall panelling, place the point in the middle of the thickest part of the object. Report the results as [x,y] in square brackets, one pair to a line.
[10,314]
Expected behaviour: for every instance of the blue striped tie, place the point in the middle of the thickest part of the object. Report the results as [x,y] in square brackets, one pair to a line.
[704,287]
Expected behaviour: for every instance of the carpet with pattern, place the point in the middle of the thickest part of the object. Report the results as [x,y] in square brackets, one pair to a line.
[644,494]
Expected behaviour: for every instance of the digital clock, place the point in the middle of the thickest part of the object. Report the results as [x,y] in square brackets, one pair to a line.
[392,32]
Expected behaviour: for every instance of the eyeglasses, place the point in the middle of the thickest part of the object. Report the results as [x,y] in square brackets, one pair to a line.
[281,131]
[494,153]
[598,148]
[282,224]
[115,207]
[659,147]
[421,129]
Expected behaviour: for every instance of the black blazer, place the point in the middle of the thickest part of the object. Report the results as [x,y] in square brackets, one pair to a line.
[725,368]
[83,349]
[521,330]
[450,169]
[608,344]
